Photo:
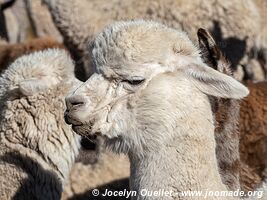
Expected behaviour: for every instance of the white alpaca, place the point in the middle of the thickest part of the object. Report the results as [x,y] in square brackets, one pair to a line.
[149,98]
[37,148]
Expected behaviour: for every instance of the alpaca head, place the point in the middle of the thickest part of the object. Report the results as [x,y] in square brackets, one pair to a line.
[147,79]
[32,91]
[37,72]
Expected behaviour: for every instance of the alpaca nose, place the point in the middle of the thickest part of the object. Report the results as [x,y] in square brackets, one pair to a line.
[73,102]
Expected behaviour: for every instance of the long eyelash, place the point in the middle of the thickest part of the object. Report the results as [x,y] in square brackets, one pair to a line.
[135,82]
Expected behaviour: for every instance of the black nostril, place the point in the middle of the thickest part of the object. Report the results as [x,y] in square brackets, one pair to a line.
[66,118]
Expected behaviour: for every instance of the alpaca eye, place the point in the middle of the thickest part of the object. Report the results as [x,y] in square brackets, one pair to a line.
[135,81]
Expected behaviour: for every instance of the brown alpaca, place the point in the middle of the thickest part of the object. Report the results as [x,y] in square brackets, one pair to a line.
[235,174]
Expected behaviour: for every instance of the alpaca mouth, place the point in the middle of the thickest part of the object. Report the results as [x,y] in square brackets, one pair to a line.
[69,120]
[83,130]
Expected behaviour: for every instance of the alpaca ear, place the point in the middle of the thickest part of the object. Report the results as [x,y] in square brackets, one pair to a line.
[214,83]
[31,86]
[211,53]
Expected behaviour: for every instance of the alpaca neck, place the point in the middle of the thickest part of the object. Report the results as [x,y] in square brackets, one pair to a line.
[186,163]
[61,160]
[48,159]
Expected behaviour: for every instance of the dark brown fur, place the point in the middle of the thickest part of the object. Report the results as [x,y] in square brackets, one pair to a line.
[253,128]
